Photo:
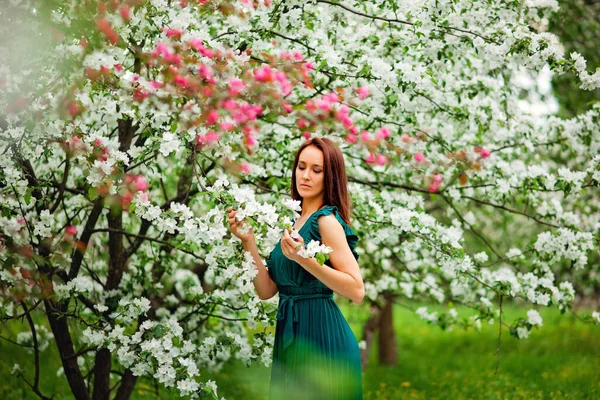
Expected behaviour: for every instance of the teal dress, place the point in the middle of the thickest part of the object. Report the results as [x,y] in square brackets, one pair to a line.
[316,355]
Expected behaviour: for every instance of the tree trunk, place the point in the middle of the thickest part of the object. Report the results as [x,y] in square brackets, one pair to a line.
[126,387]
[102,364]
[369,330]
[62,337]
[387,337]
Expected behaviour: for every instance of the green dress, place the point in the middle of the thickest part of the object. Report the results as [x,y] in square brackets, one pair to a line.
[316,355]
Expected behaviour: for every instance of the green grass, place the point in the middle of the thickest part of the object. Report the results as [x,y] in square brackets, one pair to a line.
[559,361]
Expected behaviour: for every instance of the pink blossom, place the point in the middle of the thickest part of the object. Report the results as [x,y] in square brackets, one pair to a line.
[343,111]
[197,45]
[309,65]
[306,135]
[141,183]
[251,112]
[230,104]
[280,77]
[381,159]
[227,126]
[213,117]
[419,157]
[353,130]
[263,74]
[251,140]
[160,49]
[437,179]
[239,117]
[364,136]
[206,72]
[298,56]
[106,28]
[236,86]
[248,129]
[323,103]
[302,123]
[211,137]
[406,139]
[383,133]
[286,87]
[180,81]
[74,109]
[347,122]
[332,97]
[485,153]
[363,92]
[171,32]
[71,230]
[245,168]
[433,188]
[351,138]
[370,159]
[287,107]
[126,200]
[104,155]
[173,58]
[125,12]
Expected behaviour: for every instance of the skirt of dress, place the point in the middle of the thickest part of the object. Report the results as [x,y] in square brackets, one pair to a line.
[316,355]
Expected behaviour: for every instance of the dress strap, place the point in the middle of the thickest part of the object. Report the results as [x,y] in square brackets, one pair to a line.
[351,237]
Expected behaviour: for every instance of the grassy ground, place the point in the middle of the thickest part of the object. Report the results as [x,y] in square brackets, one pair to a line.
[559,361]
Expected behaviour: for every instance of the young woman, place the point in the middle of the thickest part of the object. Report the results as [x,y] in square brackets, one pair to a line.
[316,355]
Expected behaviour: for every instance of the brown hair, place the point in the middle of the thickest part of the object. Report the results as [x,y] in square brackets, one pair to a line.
[335,182]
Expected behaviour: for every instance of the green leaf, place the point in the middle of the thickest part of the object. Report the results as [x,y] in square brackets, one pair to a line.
[93,193]
[321,258]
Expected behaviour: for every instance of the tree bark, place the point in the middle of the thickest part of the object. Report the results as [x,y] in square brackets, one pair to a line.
[117,261]
[126,387]
[387,337]
[102,363]
[369,330]
[62,337]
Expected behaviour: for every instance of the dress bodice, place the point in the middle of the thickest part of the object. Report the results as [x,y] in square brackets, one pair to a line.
[289,275]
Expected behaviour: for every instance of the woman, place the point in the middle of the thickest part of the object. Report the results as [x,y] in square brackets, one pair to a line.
[316,355]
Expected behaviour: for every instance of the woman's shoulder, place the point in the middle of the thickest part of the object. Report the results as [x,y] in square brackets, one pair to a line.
[351,236]
[329,210]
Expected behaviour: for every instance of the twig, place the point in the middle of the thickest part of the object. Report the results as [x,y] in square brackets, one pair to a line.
[499,337]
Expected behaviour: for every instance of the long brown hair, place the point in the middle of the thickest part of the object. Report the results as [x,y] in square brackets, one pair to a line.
[335,182]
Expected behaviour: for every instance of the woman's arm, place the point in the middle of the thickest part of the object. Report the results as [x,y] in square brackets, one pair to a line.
[345,277]
[265,287]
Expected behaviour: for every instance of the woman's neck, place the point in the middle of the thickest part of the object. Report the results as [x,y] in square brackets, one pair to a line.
[310,205]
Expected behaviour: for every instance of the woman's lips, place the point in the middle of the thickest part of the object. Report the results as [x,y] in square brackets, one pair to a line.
[305,186]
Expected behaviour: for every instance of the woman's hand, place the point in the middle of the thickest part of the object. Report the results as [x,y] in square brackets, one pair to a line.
[234,225]
[290,247]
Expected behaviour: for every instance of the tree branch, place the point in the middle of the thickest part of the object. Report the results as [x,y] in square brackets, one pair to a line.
[511,211]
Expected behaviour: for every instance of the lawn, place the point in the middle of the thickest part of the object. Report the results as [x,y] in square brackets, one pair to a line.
[559,361]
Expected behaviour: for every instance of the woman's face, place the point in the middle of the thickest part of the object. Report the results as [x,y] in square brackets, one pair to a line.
[310,176]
